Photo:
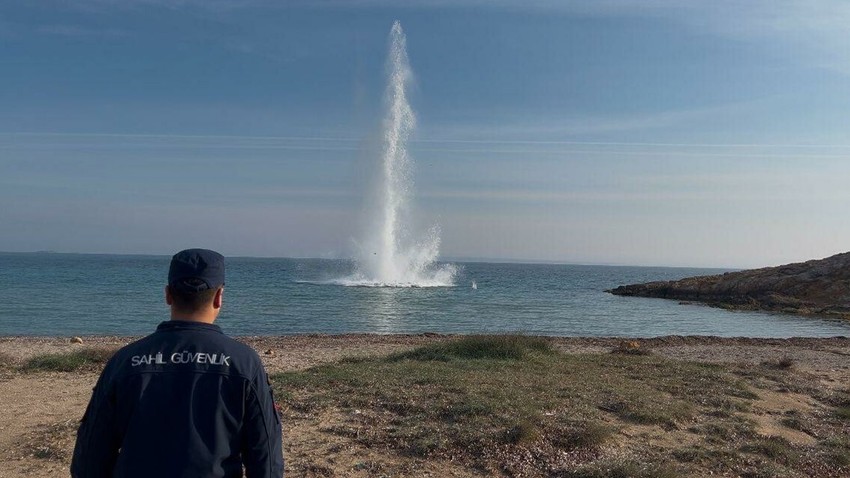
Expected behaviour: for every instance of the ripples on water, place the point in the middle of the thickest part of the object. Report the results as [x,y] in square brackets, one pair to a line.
[62,294]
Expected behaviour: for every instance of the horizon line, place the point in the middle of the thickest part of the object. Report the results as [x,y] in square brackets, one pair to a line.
[460,259]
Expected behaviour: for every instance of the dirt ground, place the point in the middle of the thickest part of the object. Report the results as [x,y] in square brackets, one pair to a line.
[41,410]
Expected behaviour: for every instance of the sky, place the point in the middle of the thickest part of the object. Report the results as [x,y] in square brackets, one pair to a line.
[670,133]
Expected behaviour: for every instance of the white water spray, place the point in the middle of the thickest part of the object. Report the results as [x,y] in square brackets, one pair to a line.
[391,258]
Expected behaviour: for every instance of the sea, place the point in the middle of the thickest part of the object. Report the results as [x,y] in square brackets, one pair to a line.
[54,294]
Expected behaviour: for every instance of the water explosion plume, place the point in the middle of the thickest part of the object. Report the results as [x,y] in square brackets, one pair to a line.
[391,258]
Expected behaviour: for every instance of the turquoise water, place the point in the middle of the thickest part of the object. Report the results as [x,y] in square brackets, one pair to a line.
[63,294]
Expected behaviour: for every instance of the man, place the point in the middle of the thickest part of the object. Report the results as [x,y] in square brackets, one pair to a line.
[185,401]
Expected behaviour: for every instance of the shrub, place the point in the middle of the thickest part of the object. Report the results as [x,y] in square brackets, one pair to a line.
[523,433]
[6,360]
[785,363]
[771,447]
[584,435]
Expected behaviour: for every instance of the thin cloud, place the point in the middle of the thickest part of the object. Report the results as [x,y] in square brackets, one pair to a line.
[589,125]
[35,141]
[653,189]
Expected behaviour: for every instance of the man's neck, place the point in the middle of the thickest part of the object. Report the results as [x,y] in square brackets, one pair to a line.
[201,318]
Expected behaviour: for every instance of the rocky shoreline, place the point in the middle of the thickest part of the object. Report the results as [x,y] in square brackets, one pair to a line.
[816,287]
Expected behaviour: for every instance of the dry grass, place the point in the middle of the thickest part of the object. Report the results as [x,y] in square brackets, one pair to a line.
[628,469]
[494,402]
[51,442]
[512,406]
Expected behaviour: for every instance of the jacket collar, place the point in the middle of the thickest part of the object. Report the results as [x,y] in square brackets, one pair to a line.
[186,325]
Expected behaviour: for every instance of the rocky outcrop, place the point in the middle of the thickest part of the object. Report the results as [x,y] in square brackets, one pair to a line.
[818,287]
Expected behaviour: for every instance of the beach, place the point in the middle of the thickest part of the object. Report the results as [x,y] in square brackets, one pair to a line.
[466,239]
[38,421]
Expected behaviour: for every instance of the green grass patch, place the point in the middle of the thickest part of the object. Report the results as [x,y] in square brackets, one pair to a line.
[775,448]
[793,423]
[499,347]
[839,458]
[84,359]
[837,450]
[843,413]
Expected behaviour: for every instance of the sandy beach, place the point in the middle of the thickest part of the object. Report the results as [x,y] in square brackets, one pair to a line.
[41,409]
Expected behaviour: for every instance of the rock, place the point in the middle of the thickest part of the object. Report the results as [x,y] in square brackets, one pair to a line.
[269,352]
[817,287]
[76,340]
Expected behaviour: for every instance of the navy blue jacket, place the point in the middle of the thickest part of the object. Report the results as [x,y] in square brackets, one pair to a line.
[185,401]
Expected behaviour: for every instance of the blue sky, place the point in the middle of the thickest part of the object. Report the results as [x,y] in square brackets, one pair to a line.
[648,132]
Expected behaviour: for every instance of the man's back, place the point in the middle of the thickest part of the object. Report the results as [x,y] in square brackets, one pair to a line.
[184,401]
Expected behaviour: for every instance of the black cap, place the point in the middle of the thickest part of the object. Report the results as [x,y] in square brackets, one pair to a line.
[204,265]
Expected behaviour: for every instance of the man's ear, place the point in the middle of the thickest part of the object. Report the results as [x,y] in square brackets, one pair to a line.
[218,297]
[168,299]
